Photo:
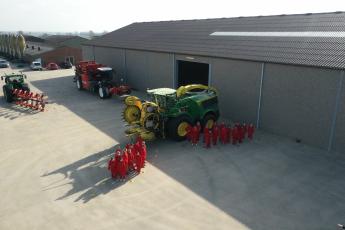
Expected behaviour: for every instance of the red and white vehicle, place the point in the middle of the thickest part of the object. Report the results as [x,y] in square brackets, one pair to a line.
[96,77]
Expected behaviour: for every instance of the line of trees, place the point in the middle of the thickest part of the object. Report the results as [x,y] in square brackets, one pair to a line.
[12,45]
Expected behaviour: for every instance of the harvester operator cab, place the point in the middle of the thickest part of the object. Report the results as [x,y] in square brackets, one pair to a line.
[163,97]
[104,73]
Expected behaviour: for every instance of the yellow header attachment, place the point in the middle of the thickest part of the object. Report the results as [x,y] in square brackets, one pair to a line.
[182,90]
[133,100]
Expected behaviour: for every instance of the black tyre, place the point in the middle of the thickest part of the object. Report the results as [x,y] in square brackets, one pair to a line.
[7,94]
[208,120]
[103,92]
[79,84]
[176,127]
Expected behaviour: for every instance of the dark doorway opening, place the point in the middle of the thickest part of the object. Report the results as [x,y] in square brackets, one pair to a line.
[192,73]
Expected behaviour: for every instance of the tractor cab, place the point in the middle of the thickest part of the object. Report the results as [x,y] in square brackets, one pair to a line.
[16,81]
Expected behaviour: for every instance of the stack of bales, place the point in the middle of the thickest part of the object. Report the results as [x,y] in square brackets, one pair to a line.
[12,45]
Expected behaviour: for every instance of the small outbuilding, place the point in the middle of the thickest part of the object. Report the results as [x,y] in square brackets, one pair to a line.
[54,48]
[284,73]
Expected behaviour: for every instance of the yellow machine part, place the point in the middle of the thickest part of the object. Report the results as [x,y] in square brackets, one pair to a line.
[136,114]
[209,124]
[185,89]
[145,112]
[182,129]
[131,114]
[154,117]
[133,100]
[139,131]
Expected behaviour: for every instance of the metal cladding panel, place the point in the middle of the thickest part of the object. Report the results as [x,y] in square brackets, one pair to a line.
[137,69]
[160,70]
[113,58]
[306,39]
[87,53]
[299,102]
[238,84]
[339,138]
[149,69]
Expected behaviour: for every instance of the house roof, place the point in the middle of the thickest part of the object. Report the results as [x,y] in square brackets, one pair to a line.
[43,48]
[59,38]
[65,40]
[30,38]
[305,39]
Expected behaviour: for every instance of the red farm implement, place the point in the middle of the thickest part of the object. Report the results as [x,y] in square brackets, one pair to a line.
[96,77]
[29,99]
[17,91]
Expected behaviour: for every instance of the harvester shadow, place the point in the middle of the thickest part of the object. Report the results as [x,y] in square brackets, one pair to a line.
[89,176]
[265,185]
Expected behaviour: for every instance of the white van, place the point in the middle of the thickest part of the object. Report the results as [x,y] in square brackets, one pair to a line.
[36,65]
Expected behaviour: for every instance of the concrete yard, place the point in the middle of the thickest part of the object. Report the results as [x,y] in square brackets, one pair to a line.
[53,174]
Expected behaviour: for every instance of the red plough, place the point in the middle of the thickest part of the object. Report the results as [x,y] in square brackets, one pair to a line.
[29,99]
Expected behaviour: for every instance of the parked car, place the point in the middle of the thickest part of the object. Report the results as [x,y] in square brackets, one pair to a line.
[35,65]
[52,66]
[66,65]
[4,64]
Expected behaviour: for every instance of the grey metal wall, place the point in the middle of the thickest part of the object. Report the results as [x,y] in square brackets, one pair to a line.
[238,84]
[111,57]
[339,138]
[299,102]
[149,69]
[87,53]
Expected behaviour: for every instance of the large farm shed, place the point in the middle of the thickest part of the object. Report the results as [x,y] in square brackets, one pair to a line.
[284,73]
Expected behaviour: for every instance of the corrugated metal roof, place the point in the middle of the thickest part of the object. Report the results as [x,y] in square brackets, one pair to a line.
[194,37]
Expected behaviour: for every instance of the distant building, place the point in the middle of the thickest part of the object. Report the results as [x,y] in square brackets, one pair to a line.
[54,48]
[284,73]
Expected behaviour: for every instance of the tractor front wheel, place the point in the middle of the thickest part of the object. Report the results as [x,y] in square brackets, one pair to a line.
[7,94]
[103,92]
[177,127]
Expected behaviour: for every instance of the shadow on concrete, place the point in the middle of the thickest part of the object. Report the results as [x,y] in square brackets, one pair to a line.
[106,115]
[11,111]
[271,183]
[89,176]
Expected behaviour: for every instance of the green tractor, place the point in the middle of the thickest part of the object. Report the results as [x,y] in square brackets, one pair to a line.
[169,112]
[13,81]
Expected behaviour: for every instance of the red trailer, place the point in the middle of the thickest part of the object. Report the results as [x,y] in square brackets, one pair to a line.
[96,77]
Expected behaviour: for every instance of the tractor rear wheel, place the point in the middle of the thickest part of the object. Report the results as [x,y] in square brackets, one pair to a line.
[7,94]
[208,120]
[177,127]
